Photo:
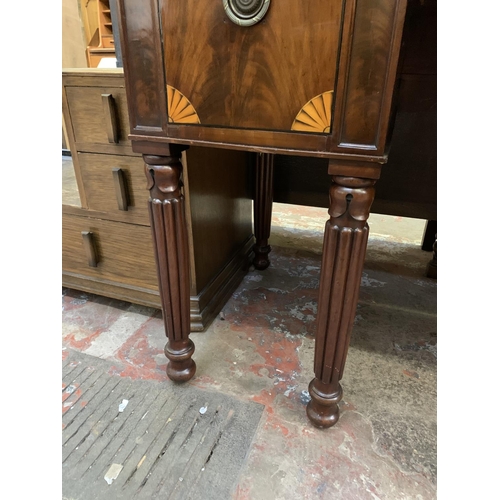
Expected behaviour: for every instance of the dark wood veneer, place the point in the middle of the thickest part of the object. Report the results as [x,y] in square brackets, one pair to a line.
[344,247]
[313,78]
[170,242]
[370,74]
[144,79]
[367,64]
[263,206]
[258,77]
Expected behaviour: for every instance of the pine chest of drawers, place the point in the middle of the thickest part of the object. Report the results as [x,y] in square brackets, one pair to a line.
[107,245]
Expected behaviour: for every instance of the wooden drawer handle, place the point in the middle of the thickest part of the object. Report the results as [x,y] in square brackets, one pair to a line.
[120,183]
[90,249]
[108,104]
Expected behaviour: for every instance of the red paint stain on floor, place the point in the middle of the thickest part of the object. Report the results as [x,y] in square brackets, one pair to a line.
[139,357]
[87,318]
[83,343]
[241,493]
[278,425]
[273,335]
[69,391]
[205,382]
[267,398]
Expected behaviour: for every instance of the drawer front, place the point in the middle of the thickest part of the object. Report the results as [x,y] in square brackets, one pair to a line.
[121,253]
[255,76]
[99,117]
[108,41]
[115,185]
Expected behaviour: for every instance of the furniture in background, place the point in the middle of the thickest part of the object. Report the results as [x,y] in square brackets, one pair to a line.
[102,43]
[107,246]
[73,36]
[290,78]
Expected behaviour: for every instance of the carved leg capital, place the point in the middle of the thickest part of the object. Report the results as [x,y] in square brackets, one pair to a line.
[344,247]
[168,227]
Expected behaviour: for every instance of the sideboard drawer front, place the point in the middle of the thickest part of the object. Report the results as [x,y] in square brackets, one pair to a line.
[102,186]
[253,77]
[94,118]
[122,253]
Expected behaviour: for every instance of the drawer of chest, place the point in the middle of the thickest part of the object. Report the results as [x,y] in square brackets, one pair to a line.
[108,251]
[115,185]
[99,118]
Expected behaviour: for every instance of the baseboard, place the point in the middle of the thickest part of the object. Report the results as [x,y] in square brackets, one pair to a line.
[203,307]
[207,304]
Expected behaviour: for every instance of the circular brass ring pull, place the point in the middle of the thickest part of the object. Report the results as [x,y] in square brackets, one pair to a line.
[246,12]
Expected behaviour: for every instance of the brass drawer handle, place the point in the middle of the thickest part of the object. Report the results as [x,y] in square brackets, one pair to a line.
[109,107]
[90,249]
[120,183]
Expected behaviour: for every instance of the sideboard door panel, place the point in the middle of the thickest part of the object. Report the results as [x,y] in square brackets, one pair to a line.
[255,77]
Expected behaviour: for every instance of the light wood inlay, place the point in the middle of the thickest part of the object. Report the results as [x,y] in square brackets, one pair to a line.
[316,115]
[180,110]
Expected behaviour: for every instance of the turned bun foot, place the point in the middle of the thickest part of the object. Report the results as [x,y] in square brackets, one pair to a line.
[181,367]
[261,260]
[323,409]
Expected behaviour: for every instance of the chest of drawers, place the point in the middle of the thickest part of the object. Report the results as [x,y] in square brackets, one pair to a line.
[107,245]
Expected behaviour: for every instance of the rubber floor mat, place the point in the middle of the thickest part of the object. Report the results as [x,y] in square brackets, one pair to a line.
[125,438]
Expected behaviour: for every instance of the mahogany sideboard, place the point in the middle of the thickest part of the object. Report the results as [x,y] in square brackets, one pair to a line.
[306,78]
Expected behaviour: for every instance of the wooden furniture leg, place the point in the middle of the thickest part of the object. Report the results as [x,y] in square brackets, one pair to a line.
[431,271]
[429,235]
[344,248]
[263,208]
[168,225]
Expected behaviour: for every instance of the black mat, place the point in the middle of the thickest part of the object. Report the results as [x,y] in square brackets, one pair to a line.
[160,446]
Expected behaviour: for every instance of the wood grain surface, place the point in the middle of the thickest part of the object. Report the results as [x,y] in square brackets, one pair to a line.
[124,251]
[220,208]
[368,73]
[251,77]
[248,84]
[89,120]
[97,174]
[170,243]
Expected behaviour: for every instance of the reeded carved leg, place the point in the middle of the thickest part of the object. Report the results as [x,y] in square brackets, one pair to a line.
[344,248]
[168,225]
[263,208]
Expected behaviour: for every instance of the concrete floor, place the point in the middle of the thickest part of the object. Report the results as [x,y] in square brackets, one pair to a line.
[261,347]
